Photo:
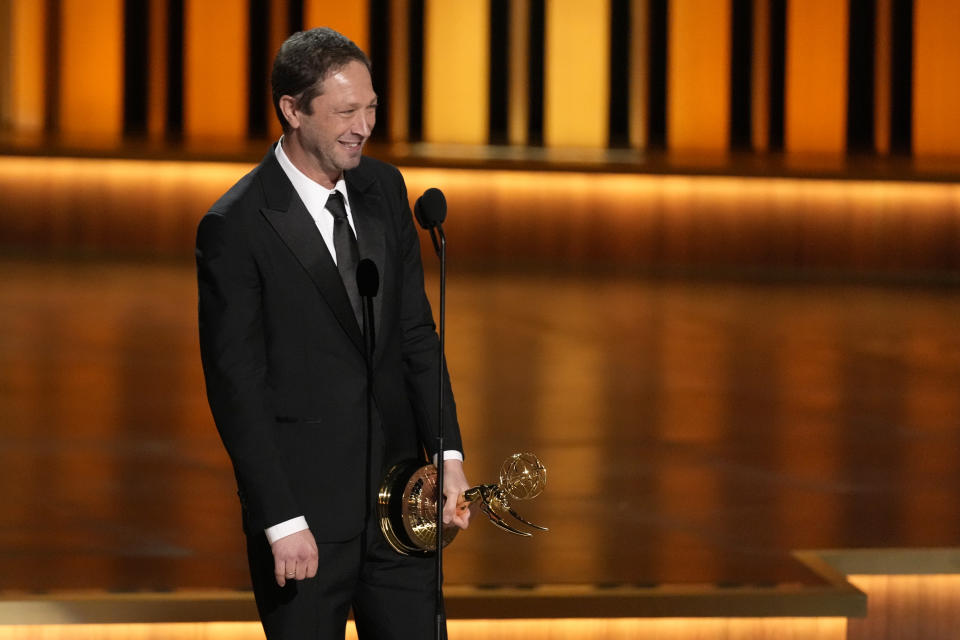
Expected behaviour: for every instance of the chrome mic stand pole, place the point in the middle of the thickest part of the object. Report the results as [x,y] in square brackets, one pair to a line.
[440,245]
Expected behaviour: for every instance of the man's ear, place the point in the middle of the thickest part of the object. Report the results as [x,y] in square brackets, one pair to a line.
[288,107]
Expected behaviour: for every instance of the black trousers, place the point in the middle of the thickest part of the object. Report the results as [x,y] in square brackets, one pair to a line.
[392,596]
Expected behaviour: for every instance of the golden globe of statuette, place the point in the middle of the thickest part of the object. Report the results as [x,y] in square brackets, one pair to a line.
[407,502]
[523,476]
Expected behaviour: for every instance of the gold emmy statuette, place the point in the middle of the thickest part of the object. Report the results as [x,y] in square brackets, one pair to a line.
[407,502]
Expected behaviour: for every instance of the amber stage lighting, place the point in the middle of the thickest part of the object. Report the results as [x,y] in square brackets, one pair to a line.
[544,217]
[690,221]
[589,629]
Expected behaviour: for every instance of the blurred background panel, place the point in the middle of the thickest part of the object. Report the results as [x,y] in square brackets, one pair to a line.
[671,74]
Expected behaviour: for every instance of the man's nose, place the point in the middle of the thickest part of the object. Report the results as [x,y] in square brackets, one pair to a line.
[363,124]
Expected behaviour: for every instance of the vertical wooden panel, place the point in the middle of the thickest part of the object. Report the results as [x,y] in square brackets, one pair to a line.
[760,82]
[215,69]
[157,81]
[498,76]
[777,52]
[901,77]
[618,74]
[639,71]
[136,66]
[27,19]
[883,59]
[861,76]
[399,70]
[457,63]
[279,31]
[91,68]
[816,78]
[279,26]
[352,19]
[518,111]
[657,39]
[576,84]
[741,70]
[6,63]
[698,74]
[536,65]
[936,99]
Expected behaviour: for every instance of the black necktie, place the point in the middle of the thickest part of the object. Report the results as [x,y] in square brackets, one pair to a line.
[348,255]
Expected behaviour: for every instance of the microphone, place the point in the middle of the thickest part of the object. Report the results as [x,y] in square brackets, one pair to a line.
[368,278]
[430,209]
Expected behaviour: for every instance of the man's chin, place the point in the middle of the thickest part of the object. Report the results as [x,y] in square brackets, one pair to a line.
[352,161]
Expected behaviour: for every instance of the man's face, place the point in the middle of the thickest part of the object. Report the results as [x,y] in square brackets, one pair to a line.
[340,122]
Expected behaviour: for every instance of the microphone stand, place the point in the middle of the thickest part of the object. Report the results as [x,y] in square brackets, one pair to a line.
[368,283]
[440,246]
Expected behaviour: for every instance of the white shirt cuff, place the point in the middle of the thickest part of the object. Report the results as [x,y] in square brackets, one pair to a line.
[449,454]
[286,528]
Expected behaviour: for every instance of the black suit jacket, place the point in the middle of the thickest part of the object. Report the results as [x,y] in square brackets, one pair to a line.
[283,355]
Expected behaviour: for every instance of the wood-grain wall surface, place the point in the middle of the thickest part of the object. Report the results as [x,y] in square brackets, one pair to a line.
[561,219]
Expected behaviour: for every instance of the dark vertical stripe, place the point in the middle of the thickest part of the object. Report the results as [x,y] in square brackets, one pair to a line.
[657,76]
[535,61]
[136,42]
[51,67]
[901,79]
[258,73]
[860,76]
[295,16]
[379,53]
[415,122]
[499,71]
[741,76]
[619,113]
[778,71]
[175,68]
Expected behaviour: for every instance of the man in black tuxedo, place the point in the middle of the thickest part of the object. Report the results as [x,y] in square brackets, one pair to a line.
[284,358]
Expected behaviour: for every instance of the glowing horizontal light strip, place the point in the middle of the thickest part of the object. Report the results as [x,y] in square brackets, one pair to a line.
[553,629]
[41,177]
[627,218]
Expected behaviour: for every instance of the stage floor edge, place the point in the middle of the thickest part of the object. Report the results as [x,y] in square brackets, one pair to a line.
[837,597]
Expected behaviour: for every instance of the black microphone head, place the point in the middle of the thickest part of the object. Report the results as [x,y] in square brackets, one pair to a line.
[430,208]
[368,278]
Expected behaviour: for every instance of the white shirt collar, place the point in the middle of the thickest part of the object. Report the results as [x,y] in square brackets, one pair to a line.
[311,192]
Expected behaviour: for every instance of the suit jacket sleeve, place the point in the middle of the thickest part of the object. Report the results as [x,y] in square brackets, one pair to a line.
[234,362]
[421,345]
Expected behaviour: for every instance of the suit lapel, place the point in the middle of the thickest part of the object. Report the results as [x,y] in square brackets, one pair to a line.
[289,217]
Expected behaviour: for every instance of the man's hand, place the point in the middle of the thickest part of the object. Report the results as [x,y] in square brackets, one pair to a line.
[454,484]
[294,557]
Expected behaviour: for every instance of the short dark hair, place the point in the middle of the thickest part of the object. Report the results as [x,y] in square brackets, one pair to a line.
[304,60]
